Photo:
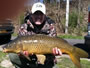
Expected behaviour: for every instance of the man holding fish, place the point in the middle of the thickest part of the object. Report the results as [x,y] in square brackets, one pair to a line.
[36,23]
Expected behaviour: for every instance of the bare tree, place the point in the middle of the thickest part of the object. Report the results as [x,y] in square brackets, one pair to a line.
[67,16]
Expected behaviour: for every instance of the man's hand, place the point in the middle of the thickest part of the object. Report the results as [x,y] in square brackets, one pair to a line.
[56,51]
[26,53]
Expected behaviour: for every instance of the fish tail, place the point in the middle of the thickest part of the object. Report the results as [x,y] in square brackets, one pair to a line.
[76,55]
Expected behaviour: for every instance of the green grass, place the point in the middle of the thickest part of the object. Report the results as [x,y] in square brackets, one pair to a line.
[85,63]
[67,63]
[62,36]
[66,36]
[71,37]
[14,34]
[2,55]
[2,67]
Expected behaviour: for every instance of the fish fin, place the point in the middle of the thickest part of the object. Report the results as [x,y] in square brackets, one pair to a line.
[81,53]
[76,60]
[76,55]
[41,58]
[25,56]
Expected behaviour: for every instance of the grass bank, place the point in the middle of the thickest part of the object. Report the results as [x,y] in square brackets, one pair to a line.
[62,36]
[71,37]
[67,63]
[2,55]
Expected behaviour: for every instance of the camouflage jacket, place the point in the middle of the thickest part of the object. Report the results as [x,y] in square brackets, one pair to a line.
[48,28]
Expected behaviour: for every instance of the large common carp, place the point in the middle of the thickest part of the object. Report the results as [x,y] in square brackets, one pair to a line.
[42,44]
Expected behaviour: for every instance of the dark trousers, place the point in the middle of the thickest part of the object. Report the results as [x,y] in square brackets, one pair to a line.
[22,62]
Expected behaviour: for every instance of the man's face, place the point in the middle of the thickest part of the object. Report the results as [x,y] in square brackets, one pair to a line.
[38,17]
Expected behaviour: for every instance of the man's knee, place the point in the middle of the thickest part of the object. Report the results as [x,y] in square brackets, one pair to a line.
[14,58]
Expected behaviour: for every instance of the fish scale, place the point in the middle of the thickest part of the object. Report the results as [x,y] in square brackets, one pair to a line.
[42,44]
